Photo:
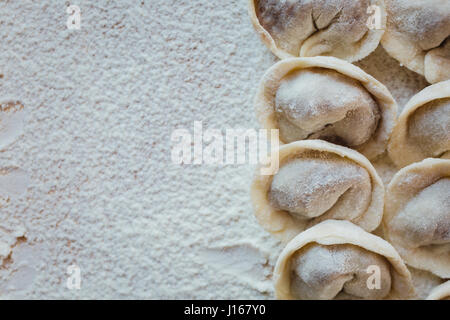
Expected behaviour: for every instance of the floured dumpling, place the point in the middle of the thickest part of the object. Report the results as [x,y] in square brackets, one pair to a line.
[417,215]
[339,260]
[423,128]
[333,271]
[317,181]
[304,28]
[329,99]
[424,282]
[441,292]
[418,36]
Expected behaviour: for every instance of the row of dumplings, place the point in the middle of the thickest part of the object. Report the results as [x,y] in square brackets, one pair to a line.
[326,199]
[326,196]
[415,32]
[330,99]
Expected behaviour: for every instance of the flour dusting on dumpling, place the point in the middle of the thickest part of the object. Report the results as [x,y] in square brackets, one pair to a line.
[324,104]
[317,181]
[338,260]
[416,219]
[423,128]
[337,271]
[328,99]
[418,35]
[307,28]
[321,186]
[425,219]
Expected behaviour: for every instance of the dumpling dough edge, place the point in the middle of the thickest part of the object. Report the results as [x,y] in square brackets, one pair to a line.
[398,194]
[264,99]
[398,46]
[343,232]
[281,223]
[400,151]
[440,292]
[371,43]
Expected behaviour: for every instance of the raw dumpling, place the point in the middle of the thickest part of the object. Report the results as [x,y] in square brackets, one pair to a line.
[424,282]
[417,215]
[304,28]
[317,181]
[418,36]
[423,128]
[339,260]
[329,99]
[441,292]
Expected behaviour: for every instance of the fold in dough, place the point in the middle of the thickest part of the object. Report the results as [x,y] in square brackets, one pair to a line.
[424,282]
[417,215]
[418,36]
[334,260]
[317,181]
[423,128]
[441,292]
[329,99]
[339,28]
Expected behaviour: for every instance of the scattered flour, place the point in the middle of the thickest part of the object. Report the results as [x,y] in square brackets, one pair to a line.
[101,105]
[12,117]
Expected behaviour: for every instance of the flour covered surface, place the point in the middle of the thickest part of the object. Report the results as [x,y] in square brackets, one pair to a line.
[12,117]
[97,189]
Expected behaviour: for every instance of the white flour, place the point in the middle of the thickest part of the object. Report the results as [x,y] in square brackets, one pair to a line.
[101,105]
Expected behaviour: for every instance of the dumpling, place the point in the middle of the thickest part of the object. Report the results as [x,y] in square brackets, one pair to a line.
[304,28]
[441,292]
[339,260]
[418,36]
[423,128]
[417,215]
[316,181]
[329,99]
[424,282]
